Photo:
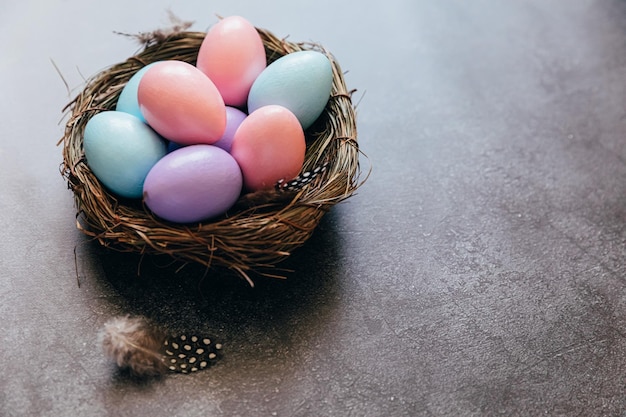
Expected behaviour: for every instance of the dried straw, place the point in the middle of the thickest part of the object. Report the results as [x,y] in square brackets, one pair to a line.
[263,228]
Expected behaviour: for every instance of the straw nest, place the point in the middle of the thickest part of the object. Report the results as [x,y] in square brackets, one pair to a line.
[263,228]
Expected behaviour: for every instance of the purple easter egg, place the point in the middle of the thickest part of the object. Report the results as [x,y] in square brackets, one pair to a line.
[192,184]
[234,117]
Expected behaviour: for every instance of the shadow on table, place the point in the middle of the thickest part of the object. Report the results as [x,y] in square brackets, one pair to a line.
[286,312]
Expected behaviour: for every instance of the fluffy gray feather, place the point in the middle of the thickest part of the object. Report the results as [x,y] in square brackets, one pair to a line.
[134,344]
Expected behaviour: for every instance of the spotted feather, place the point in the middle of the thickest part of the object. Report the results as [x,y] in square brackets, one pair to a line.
[138,345]
[301,180]
[188,354]
[282,192]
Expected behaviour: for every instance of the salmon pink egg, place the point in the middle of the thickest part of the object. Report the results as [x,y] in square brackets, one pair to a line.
[269,146]
[232,56]
[181,103]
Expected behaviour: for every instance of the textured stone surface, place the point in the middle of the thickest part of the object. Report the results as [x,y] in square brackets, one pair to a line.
[480,270]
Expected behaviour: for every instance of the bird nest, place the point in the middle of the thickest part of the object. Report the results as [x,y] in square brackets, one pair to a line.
[263,228]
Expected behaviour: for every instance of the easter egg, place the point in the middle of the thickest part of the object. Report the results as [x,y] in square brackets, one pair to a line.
[127,101]
[300,81]
[269,146]
[120,150]
[181,103]
[234,117]
[232,55]
[193,183]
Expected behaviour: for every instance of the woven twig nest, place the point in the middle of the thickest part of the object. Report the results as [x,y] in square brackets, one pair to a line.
[262,229]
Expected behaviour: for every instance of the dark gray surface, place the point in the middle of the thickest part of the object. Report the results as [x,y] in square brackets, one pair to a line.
[480,270]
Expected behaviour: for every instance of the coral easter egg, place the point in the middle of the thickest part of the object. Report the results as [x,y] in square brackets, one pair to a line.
[269,146]
[193,183]
[232,56]
[181,103]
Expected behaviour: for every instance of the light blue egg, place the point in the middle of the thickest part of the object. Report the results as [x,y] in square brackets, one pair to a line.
[300,81]
[127,101]
[120,150]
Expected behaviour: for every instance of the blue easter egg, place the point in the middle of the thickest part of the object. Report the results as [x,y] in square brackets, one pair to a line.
[127,101]
[300,81]
[120,150]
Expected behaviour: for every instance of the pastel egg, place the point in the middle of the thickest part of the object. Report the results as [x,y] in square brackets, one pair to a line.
[192,184]
[232,55]
[269,146]
[234,118]
[120,150]
[300,81]
[127,101]
[181,103]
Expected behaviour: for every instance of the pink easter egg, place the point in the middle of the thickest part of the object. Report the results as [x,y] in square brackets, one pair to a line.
[181,103]
[269,146]
[232,55]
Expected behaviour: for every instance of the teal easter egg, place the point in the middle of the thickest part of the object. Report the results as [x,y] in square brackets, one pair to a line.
[300,81]
[120,150]
[127,101]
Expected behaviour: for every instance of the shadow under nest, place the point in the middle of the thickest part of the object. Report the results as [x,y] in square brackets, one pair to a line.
[189,297]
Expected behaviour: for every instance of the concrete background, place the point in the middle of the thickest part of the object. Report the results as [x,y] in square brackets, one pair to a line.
[479,271]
